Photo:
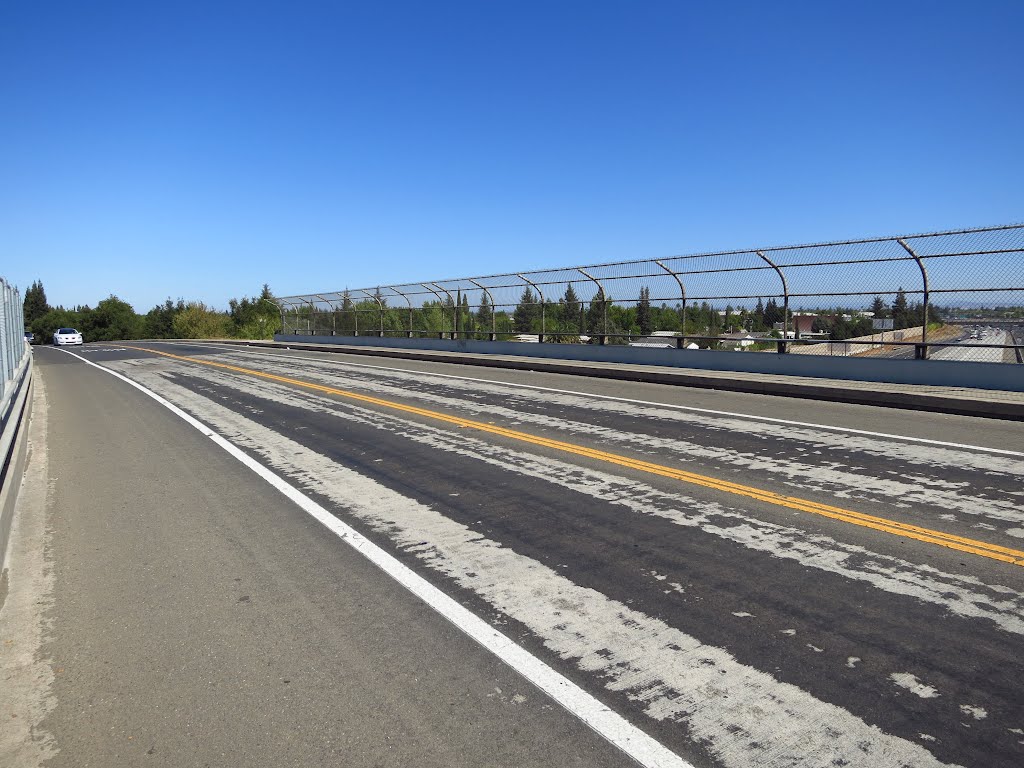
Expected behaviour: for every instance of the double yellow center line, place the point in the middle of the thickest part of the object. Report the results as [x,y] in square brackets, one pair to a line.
[927,535]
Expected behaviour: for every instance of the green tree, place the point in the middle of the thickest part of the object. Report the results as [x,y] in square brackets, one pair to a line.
[485,313]
[569,309]
[466,319]
[879,308]
[197,321]
[114,320]
[757,320]
[597,314]
[773,313]
[34,305]
[900,310]
[346,319]
[643,312]
[527,312]
[258,317]
[158,323]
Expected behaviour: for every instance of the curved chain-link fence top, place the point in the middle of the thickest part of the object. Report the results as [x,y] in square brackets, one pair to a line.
[978,267]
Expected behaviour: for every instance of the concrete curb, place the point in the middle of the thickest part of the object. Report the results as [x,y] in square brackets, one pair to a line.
[838,392]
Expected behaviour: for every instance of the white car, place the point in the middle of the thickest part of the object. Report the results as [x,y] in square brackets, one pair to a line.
[64,336]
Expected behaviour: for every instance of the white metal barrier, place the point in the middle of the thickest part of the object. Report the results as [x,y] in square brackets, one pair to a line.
[14,350]
[15,392]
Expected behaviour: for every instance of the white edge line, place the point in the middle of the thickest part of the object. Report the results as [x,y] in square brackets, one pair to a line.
[753,416]
[606,723]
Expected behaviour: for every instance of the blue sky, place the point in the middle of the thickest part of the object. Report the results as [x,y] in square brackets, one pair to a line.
[198,150]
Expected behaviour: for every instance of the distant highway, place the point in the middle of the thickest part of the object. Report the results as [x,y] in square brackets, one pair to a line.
[747,581]
[967,346]
[967,349]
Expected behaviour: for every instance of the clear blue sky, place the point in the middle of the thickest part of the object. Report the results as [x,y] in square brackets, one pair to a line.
[200,149]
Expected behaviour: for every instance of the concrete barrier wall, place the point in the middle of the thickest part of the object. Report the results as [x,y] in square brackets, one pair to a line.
[858,344]
[924,372]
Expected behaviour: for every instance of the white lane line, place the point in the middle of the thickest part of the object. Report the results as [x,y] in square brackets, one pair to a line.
[744,717]
[958,594]
[608,724]
[652,403]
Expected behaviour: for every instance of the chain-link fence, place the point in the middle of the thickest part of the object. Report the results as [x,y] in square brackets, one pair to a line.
[895,296]
[13,347]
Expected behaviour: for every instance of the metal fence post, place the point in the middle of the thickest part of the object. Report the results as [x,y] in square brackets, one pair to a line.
[5,342]
[541,294]
[604,302]
[334,313]
[924,280]
[785,300]
[494,312]
[380,306]
[682,293]
[440,301]
[451,300]
[409,335]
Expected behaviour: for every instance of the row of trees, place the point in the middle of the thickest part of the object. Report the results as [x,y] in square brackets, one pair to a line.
[903,313]
[115,320]
[569,316]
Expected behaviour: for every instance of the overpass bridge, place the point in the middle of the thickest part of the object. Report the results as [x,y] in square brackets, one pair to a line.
[234,555]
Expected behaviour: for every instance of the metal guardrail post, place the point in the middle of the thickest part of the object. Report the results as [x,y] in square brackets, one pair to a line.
[282,303]
[785,299]
[682,292]
[494,312]
[541,294]
[311,319]
[604,302]
[380,306]
[407,301]
[5,341]
[334,312]
[920,354]
[439,300]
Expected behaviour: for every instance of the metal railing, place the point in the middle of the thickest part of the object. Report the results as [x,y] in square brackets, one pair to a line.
[780,296]
[14,350]
[15,390]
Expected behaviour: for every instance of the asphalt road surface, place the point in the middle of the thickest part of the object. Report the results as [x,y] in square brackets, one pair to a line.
[741,580]
[969,349]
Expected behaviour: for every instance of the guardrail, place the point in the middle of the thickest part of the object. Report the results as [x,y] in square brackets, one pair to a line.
[782,295]
[13,348]
[15,386]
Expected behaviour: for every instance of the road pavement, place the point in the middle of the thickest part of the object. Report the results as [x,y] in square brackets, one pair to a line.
[750,581]
[969,348]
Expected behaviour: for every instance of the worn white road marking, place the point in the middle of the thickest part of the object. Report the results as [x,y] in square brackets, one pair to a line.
[744,716]
[912,684]
[960,594]
[912,487]
[693,409]
[610,725]
[978,713]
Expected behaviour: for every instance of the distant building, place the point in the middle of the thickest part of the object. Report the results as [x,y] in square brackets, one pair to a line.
[654,341]
[803,324]
[737,340]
